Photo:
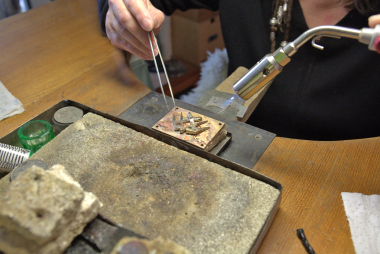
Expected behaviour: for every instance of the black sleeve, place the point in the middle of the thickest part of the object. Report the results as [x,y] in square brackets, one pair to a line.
[166,6]
[102,12]
[169,6]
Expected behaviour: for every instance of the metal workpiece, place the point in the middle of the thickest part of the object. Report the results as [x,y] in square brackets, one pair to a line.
[193,128]
[259,75]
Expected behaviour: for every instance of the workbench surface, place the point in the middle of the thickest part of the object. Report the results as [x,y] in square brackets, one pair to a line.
[57,51]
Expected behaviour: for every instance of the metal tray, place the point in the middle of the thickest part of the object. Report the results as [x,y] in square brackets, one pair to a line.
[47,115]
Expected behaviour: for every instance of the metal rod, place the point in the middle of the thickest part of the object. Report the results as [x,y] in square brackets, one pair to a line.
[322,31]
[158,72]
[166,74]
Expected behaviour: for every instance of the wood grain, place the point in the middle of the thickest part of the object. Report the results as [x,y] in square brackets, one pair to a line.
[313,175]
[58,51]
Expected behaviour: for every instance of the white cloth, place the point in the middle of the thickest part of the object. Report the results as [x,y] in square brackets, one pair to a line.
[363,214]
[213,72]
[9,105]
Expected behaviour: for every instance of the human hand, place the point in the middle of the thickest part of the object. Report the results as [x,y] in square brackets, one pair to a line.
[128,23]
[374,20]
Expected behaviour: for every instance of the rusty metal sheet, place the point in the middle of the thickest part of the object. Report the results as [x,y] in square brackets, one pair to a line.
[201,140]
[246,147]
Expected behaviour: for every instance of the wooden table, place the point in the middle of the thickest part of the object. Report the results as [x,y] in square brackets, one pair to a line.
[57,52]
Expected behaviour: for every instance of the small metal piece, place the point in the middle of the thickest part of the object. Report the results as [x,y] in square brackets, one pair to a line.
[280,14]
[158,73]
[133,247]
[196,131]
[178,124]
[196,119]
[258,137]
[205,140]
[273,22]
[68,115]
[193,130]
[65,116]
[272,35]
[285,9]
[26,165]
[283,43]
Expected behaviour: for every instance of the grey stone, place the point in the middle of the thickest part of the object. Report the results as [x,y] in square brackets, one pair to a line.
[155,189]
[42,211]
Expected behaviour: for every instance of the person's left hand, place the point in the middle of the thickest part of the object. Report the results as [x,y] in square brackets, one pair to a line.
[374,20]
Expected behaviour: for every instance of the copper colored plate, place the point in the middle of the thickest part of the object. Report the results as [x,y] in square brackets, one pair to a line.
[200,140]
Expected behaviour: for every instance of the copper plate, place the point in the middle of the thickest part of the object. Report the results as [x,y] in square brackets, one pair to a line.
[200,140]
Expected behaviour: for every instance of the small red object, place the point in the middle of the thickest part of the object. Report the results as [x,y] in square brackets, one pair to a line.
[377,44]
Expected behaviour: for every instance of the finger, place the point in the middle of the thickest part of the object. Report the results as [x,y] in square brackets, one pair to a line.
[157,15]
[130,38]
[120,42]
[140,11]
[126,20]
[374,20]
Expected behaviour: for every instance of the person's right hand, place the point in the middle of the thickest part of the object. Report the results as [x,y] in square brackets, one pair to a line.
[128,23]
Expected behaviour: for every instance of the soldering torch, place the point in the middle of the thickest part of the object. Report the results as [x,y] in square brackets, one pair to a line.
[271,65]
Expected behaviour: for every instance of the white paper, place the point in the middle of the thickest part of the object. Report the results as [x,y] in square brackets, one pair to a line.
[9,105]
[363,214]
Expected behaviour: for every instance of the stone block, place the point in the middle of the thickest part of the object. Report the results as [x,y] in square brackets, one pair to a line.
[43,211]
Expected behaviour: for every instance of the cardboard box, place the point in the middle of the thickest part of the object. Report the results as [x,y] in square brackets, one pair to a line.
[192,39]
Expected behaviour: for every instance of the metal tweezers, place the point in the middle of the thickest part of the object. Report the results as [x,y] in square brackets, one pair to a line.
[158,73]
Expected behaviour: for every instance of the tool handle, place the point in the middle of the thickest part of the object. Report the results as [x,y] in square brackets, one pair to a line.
[371,37]
[11,156]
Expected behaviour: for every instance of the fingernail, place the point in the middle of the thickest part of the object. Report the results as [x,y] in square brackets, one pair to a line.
[155,51]
[147,24]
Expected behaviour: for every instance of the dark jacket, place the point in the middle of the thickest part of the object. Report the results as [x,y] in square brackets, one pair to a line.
[332,94]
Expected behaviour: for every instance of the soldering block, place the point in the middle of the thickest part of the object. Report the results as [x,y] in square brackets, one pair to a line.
[155,189]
